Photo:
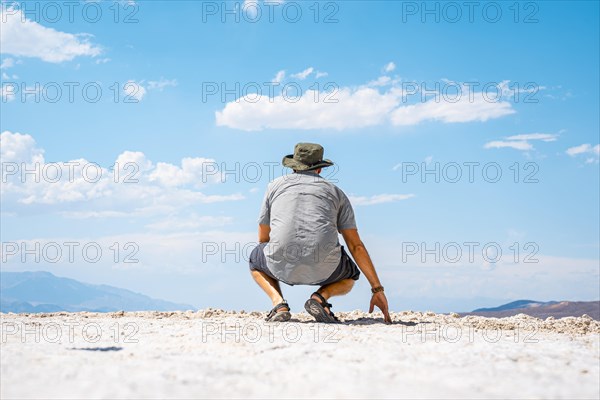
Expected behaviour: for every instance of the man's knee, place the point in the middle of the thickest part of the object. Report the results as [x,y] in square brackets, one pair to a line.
[348,283]
[258,273]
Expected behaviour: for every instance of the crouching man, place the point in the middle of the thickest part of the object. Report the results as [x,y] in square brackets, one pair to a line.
[299,222]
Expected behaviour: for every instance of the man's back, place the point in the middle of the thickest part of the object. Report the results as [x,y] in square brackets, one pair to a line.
[298,227]
[305,213]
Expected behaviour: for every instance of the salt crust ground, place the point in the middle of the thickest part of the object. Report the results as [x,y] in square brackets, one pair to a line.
[228,354]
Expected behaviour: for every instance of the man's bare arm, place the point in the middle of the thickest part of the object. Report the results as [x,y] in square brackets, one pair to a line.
[264,232]
[362,258]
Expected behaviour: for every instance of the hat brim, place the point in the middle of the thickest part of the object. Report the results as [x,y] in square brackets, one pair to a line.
[288,161]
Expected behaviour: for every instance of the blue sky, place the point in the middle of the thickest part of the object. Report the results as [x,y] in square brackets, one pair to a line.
[539,116]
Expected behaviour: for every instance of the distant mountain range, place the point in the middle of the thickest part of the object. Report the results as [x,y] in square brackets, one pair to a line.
[35,292]
[543,310]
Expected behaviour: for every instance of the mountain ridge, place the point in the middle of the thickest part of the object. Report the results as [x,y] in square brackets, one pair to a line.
[516,304]
[42,291]
[539,309]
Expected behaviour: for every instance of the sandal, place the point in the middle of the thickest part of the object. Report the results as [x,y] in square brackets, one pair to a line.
[317,310]
[279,316]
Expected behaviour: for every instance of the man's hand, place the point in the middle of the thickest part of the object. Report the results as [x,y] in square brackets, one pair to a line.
[381,302]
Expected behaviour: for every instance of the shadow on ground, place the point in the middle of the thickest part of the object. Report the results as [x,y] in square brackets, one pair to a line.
[112,348]
[360,321]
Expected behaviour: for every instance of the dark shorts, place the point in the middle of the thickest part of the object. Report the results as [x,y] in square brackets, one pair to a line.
[347,269]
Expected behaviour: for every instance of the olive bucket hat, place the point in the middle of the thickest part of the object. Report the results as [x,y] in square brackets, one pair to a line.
[306,157]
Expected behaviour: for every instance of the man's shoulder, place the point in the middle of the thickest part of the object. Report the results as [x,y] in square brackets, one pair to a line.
[287,180]
[333,187]
[276,182]
[295,178]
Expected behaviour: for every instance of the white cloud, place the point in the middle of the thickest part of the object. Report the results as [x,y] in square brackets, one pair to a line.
[515,144]
[304,74]
[582,149]
[134,90]
[381,81]
[320,74]
[279,76]
[7,63]
[521,142]
[463,110]
[134,157]
[586,149]
[507,91]
[544,137]
[22,37]
[389,67]
[378,199]
[161,84]
[102,60]
[17,147]
[133,187]
[193,171]
[353,107]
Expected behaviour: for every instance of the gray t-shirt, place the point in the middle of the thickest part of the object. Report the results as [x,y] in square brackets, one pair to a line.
[305,213]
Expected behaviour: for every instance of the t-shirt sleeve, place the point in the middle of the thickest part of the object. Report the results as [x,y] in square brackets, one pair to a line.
[264,217]
[345,217]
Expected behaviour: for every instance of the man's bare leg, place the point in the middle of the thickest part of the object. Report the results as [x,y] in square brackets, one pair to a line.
[269,285]
[335,289]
